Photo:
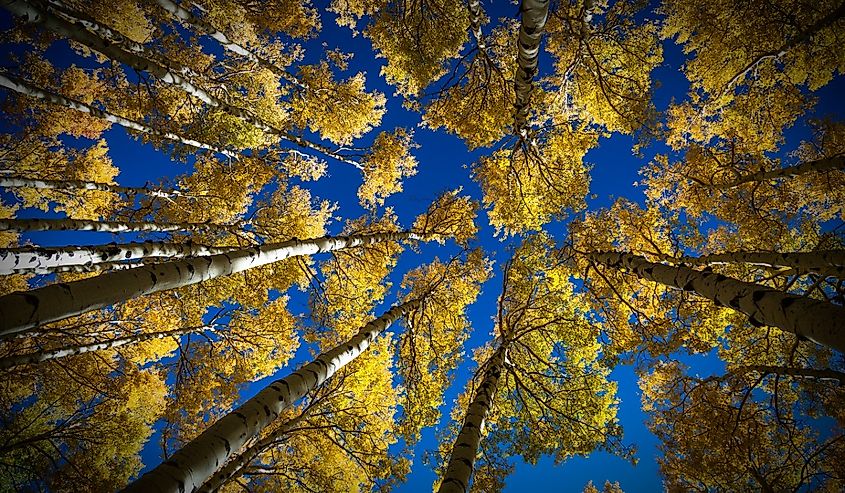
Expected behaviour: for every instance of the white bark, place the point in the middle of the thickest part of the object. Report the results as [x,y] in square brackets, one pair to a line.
[103,266]
[188,468]
[45,259]
[830,262]
[187,18]
[232,469]
[817,166]
[40,356]
[20,311]
[102,39]
[476,15]
[826,375]
[22,87]
[458,473]
[816,320]
[29,225]
[75,185]
[534,15]
[121,49]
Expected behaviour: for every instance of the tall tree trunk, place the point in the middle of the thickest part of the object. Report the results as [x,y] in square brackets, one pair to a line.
[20,311]
[46,259]
[30,225]
[104,40]
[462,459]
[121,49]
[822,375]
[816,320]
[476,15]
[188,468]
[100,267]
[64,352]
[817,166]
[534,15]
[187,18]
[27,89]
[823,261]
[75,185]
[234,467]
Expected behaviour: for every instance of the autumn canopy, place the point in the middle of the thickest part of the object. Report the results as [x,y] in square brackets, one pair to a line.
[460,245]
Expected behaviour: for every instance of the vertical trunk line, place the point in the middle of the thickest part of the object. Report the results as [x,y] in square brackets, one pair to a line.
[465,449]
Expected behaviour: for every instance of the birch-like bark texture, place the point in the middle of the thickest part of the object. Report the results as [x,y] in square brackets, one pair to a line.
[191,466]
[232,469]
[20,311]
[64,352]
[104,40]
[101,267]
[30,225]
[816,320]
[462,459]
[23,87]
[187,18]
[823,261]
[476,14]
[817,166]
[809,373]
[46,259]
[534,14]
[135,55]
[76,185]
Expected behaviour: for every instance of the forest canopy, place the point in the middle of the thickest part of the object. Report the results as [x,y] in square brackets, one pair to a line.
[289,245]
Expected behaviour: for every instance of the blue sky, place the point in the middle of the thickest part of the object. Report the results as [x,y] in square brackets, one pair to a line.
[443,164]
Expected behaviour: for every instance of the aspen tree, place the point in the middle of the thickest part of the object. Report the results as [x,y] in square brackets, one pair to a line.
[40,259]
[534,14]
[29,225]
[21,311]
[23,87]
[819,321]
[38,357]
[198,460]
[538,388]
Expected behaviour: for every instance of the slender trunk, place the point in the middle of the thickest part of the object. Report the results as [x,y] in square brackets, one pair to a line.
[817,166]
[462,459]
[104,40]
[120,49]
[64,352]
[818,321]
[822,375]
[187,18]
[30,225]
[534,15]
[476,15]
[41,259]
[22,87]
[188,468]
[830,262]
[234,467]
[101,267]
[20,311]
[76,185]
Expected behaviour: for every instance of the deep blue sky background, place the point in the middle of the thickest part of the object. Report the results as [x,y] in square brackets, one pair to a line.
[443,164]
